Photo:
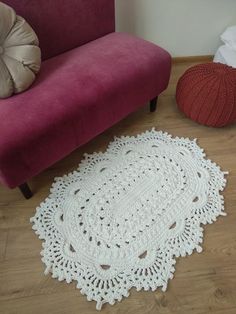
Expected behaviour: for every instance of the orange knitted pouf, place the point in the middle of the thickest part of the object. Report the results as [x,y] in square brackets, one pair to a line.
[206,93]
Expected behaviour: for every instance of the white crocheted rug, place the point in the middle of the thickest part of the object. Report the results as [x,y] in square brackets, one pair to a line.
[124,216]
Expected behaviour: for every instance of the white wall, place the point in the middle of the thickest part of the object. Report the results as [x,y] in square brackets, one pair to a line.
[183,27]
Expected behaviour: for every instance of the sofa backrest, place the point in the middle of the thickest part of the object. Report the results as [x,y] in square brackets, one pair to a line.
[62,25]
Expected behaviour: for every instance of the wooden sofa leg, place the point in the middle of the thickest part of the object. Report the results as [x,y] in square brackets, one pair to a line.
[153,104]
[25,190]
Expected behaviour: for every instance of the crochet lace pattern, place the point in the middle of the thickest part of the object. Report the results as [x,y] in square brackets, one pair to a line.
[124,216]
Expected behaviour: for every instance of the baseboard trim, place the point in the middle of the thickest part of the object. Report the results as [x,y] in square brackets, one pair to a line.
[207,58]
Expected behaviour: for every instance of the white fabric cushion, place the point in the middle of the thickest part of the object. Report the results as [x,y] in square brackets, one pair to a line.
[226,55]
[229,37]
[20,56]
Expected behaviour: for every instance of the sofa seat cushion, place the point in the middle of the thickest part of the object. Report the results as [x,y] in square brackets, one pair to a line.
[77,95]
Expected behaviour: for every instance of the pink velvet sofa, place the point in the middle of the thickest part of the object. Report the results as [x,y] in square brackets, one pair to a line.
[91,77]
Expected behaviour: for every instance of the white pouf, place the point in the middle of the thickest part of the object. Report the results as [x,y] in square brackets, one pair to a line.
[226,55]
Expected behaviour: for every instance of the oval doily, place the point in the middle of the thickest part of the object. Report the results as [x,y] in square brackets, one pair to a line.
[123,217]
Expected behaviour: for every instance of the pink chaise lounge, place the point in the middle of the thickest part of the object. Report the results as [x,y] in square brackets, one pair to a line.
[91,77]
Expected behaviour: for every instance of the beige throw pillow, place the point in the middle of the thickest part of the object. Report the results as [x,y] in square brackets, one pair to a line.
[20,56]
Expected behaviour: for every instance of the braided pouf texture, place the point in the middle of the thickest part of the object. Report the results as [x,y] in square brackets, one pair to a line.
[206,93]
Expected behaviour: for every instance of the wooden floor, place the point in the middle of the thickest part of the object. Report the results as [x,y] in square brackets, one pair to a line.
[203,283]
